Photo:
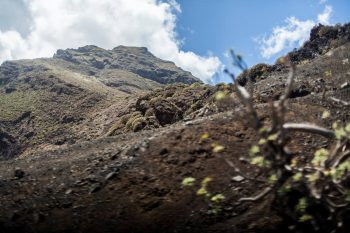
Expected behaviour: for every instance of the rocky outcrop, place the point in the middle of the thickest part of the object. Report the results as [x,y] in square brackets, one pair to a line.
[254,74]
[322,39]
[137,60]
[174,103]
[8,71]
[8,145]
[162,107]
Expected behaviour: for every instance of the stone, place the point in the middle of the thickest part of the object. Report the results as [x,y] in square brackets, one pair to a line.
[19,174]
[238,178]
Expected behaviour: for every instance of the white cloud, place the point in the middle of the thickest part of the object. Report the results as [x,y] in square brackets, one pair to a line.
[294,33]
[325,16]
[323,1]
[105,23]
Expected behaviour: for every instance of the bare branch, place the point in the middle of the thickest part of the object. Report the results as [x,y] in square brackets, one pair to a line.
[334,205]
[244,93]
[309,128]
[236,169]
[333,154]
[340,188]
[245,97]
[274,117]
[279,107]
[341,158]
[339,101]
[290,83]
[257,197]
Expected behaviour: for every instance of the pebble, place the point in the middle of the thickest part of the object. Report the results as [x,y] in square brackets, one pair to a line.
[19,174]
[345,85]
[69,191]
[95,188]
[110,175]
[238,178]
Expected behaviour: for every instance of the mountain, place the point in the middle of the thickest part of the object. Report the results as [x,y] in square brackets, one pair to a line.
[120,158]
[73,96]
[138,61]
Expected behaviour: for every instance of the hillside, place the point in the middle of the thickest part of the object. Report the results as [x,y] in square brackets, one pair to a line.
[120,157]
[74,96]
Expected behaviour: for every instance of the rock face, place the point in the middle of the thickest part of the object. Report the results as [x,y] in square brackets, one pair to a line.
[133,59]
[322,39]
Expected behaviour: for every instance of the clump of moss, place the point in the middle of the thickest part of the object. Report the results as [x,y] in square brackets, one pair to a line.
[138,124]
[194,107]
[120,124]
[132,119]
[135,122]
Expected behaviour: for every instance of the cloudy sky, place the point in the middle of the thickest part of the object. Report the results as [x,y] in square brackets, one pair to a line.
[195,34]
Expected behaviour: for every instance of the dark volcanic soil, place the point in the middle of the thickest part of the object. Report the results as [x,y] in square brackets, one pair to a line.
[132,182]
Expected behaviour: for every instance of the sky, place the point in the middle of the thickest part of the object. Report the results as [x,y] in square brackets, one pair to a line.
[195,34]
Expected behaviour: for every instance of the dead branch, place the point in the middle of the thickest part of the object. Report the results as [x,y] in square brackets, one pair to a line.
[341,158]
[257,197]
[245,97]
[274,117]
[340,188]
[309,128]
[290,83]
[333,154]
[339,101]
[334,205]
[279,107]
[237,170]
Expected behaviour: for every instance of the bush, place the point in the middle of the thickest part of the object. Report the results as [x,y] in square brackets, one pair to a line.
[310,196]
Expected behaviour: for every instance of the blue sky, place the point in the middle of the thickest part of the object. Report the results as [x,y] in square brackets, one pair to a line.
[208,26]
[194,34]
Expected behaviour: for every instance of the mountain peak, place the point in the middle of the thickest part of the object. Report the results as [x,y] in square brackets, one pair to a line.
[131,48]
[137,60]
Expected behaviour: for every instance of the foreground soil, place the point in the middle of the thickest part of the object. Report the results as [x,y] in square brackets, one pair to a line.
[132,182]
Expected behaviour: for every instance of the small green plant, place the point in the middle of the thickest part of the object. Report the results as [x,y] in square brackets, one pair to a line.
[310,195]
[214,201]
[189,181]
[320,185]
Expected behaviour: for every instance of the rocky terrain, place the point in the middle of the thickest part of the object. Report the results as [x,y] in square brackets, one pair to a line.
[75,95]
[99,141]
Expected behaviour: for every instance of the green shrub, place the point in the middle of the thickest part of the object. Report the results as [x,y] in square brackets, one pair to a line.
[313,195]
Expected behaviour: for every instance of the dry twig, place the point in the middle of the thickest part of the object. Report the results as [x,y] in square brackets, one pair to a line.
[309,128]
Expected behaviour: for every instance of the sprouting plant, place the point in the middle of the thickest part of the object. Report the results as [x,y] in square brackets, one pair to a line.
[217,148]
[321,183]
[315,192]
[214,200]
[188,181]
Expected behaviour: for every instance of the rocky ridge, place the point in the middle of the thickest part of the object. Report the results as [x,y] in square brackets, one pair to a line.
[137,60]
